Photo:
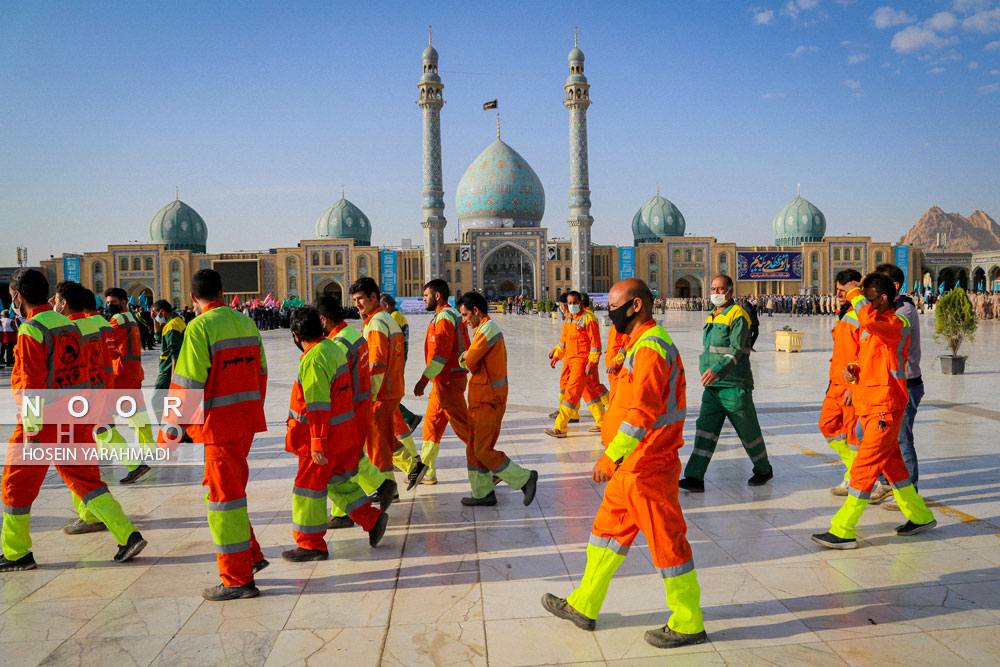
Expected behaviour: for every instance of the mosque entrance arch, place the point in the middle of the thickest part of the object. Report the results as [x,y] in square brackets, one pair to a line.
[979,280]
[687,287]
[330,287]
[136,291]
[508,271]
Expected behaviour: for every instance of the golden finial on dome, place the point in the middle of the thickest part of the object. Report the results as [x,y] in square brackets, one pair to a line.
[657,188]
[498,124]
[342,191]
[429,36]
[576,41]
[177,193]
[798,189]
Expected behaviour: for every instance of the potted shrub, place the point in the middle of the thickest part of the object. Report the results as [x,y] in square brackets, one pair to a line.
[954,322]
[787,340]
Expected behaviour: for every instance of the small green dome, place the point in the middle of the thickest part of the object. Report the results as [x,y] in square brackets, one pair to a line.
[799,222]
[657,218]
[179,227]
[344,220]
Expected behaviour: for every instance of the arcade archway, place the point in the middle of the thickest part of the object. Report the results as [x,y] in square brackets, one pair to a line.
[137,290]
[330,287]
[508,271]
[688,286]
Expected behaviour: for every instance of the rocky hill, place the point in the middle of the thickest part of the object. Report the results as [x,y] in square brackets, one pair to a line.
[973,234]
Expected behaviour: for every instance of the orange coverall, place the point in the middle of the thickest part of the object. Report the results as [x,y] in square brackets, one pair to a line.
[594,379]
[614,355]
[580,346]
[838,422]
[558,353]
[385,357]
[128,340]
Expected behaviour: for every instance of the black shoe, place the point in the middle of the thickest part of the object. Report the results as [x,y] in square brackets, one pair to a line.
[260,565]
[692,484]
[412,425]
[221,592]
[910,528]
[300,555]
[134,476]
[574,421]
[559,607]
[416,474]
[386,492]
[336,522]
[529,488]
[760,480]
[25,562]
[130,549]
[488,500]
[79,527]
[831,541]
[666,638]
[378,530]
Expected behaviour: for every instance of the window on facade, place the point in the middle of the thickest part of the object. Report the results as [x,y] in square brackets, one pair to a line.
[175,267]
[814,259]
[98,268]
[293,284]
[291,264]
[653,278]
[363,265]
[723,258]
[137,263]
[315,259]
[879,257]
[654,259]
[687,255]
[857,254]
[699,255]
[339,257]
[558,273]
[327,257]
[99,287]
[447,254]
[447,275]
[836,254]
[458,275]
[815,273]
[148,263]
[123,264]
[677,254]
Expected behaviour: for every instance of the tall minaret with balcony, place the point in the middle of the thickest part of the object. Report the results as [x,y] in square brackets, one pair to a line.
[430,102]
[580,221]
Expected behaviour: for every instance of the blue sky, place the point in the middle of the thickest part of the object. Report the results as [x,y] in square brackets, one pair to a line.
[260,111]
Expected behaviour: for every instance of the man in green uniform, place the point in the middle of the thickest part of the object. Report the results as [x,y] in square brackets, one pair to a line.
[170,334]
[728,382]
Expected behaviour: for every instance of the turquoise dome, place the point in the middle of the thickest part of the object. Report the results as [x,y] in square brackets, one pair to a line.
[430,53]
[179,227]
[655,219]
[344,220]
[499,189]
[799,222]
[576,54]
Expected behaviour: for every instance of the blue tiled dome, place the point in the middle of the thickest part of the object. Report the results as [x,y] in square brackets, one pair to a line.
[499,189]
[799,222]
[655,219]
[179,227]
[344,220]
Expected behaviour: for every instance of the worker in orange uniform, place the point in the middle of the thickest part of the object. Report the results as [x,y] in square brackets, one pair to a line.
[388,302]
[222,355]
[837,421]
[880,397]
[385,359]
[321,432]
[614,356]
[557,352]
[594,379]
[486,361]
[447,338]
[48,355]
[580,350]
[642,432]
[355,349]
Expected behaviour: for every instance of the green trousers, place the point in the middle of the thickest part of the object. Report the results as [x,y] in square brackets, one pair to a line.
[718,403]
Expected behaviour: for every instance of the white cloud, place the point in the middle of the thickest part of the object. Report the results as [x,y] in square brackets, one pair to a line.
[763,16]
[983,21]
[886,65]
[992,46]
[941,22]
[914,38]
[937,70]
[887,17]
[853,84]
[986,90]
[808,4]
[845,3]
[855,58]
[995,72]
[800,49]
[773,96]
[973,64]
[855,45]
[969,6]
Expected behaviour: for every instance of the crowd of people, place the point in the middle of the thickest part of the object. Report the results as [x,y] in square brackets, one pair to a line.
[986,305]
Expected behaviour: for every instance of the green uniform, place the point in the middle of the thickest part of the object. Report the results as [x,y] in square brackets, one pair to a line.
[171,337]
[726,338]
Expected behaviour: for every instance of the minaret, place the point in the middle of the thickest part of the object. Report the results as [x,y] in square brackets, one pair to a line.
[577,101]
[431,100]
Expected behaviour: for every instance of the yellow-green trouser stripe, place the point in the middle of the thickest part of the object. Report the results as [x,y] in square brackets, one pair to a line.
[16,532]
[684,600]
[846,454]
[346,495]
[911,504]
[368,478]
[103,505]
[229,523]
[481,481]
[602,562]
[513,474]
[428,455]
[847,517]
[82,510]
[308,510]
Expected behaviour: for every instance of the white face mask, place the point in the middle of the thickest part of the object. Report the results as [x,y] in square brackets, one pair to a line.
[574,308]
[719,299]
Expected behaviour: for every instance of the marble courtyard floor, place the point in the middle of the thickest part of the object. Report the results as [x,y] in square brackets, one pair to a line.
[452,586]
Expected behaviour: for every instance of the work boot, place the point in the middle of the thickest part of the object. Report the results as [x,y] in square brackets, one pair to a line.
[760,480]
[559,607]
[412,426]
[890,504]
[489,500]
[831,541]
[300,555]
[130,549]
[25,562]
[841,489]
[574,420]
[910,528]
[259,565]
[666,638]
[879,493]
[386,492]
[222,592]
[594,429]
[79,527]
[336,522]
[416,475]
[134,476]
[378,530]
[692,484]
[555,433]
[530,487]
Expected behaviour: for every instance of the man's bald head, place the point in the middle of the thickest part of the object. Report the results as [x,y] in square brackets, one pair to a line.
[635,293]
[633,288]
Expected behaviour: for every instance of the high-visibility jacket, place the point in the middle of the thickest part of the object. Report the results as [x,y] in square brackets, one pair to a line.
[385,355]
[726,338]
[404,326]
[355,348]
[486,360]
[447,338]
[846,340]
[614,354]
[559,351]
[108,336]
[171,339]
[223,356]
[95,352]
[128,339]
[321,408]
[581,338]
[884,348]
[644,423]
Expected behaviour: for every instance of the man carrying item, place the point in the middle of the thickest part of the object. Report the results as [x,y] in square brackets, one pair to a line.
[558,352]
[321,432]
[389,305]
[728,382]
[642,432]
[880,398]
[580,350]
[486,361]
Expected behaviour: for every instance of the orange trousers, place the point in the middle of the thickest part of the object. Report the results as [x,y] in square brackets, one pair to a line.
[579,384]
[836,420]
[486,420]
[381,441]
[879,454]
[445,405]
[226,476]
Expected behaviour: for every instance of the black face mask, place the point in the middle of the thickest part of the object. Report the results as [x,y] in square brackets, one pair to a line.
[620,319]
[298,344]
[114,308]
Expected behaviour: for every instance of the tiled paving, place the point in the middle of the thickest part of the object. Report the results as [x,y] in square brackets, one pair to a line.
[456,586]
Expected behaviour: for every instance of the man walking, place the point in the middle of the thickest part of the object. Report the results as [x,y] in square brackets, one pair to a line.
[580,350]
[389,305]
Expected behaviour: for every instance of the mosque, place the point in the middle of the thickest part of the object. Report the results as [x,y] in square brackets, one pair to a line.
[503,248]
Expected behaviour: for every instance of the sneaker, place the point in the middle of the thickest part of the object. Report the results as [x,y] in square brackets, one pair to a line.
[412,425]
[910,528]
[666,638]
[416,474]
[841,489]
[130,549]
[555,433]
[25,562]
[530,487]
[559,607]
[488,500]
[430,481]
[386,492]
[79,527]
[336,522]
[879,493]
[378,530]
[134,476]
[890,504]
[831,541]
[692,484]
[594,429]
[260,565]
[761,480]
[300,555]
[222,592]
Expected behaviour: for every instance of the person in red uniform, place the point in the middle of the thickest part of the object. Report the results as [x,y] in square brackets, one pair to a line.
[580,350]
[880,397]
[642,432]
